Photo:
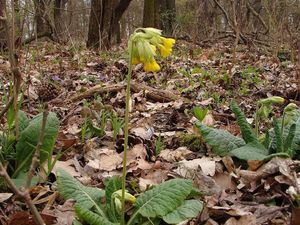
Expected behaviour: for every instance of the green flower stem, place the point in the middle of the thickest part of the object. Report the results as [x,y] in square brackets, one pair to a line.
[282,124]
[126,131]
[256,121]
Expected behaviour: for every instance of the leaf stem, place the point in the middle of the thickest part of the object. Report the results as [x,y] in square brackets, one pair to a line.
[126,132]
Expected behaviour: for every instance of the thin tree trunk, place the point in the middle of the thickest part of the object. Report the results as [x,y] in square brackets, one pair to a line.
[151,13]
[94,25]
[58,12]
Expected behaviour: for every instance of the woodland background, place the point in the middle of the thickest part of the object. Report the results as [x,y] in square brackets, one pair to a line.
[102,23]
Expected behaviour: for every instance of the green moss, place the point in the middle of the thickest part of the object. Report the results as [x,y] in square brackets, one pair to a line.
[192,141]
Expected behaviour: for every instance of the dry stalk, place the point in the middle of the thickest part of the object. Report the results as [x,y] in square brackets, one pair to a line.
[24,193]
[13,65]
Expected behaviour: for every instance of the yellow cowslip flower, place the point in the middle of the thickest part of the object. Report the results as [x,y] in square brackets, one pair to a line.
[143,45]
[128,197]
[165,52]
[166,47]
[151,66]
[135,61]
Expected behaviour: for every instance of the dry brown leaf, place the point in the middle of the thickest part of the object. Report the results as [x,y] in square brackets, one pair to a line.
[229,164]
[243,220]
[211,222]
[142,132]
[225,181]
[209,119]
[67,166]
[207,165]
[5,196]
[103,159]
[175,155]
[136,158]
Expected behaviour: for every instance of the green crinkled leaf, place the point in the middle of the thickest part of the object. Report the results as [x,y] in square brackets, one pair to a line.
[163,198]
[23,121]
[87,197]
[29,139]
[278,138]
[289,140]
[112,185]
[251,151]
[76,222]
[188,210]
[246,129]
[287,135]
[200,113]
[21,179]
[221,141]
[296,140]
[90,217]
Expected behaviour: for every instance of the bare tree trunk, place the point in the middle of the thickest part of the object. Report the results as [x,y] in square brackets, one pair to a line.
[3,43]
[44,26]
[167,16]
[58,12]
[151,16]
[94,25]
[104,22]
[17,25]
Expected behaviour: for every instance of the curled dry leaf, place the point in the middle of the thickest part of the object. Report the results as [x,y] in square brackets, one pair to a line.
[5,196]
[175,155]
[243,220]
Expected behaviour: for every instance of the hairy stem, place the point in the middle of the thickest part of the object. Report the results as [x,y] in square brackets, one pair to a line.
[256,121]
[126,131]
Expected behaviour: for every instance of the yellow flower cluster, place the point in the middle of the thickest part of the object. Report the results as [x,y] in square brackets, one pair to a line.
[144,44]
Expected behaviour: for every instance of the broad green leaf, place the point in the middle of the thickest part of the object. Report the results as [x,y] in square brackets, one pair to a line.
[251,151]
[278,138]
[152,221]
[188,210]
[76,222]
[296,141]
[87,197]
[288,133]
[29,139]
[23,121]
[112,185]
[246,129]
[21,180]
[289,140]
[200,113]
[163,198]
[221,141]
[90,217]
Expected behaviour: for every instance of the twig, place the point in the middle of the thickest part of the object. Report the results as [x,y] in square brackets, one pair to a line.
[37,153]
[235,29]
[256,14]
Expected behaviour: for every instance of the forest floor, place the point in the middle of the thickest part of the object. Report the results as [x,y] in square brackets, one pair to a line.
[87,90]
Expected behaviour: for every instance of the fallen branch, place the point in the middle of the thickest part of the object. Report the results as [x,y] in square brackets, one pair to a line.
[151,93]
[98,89]
[154,94]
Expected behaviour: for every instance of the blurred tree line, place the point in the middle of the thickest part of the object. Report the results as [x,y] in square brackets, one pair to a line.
[103,23]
